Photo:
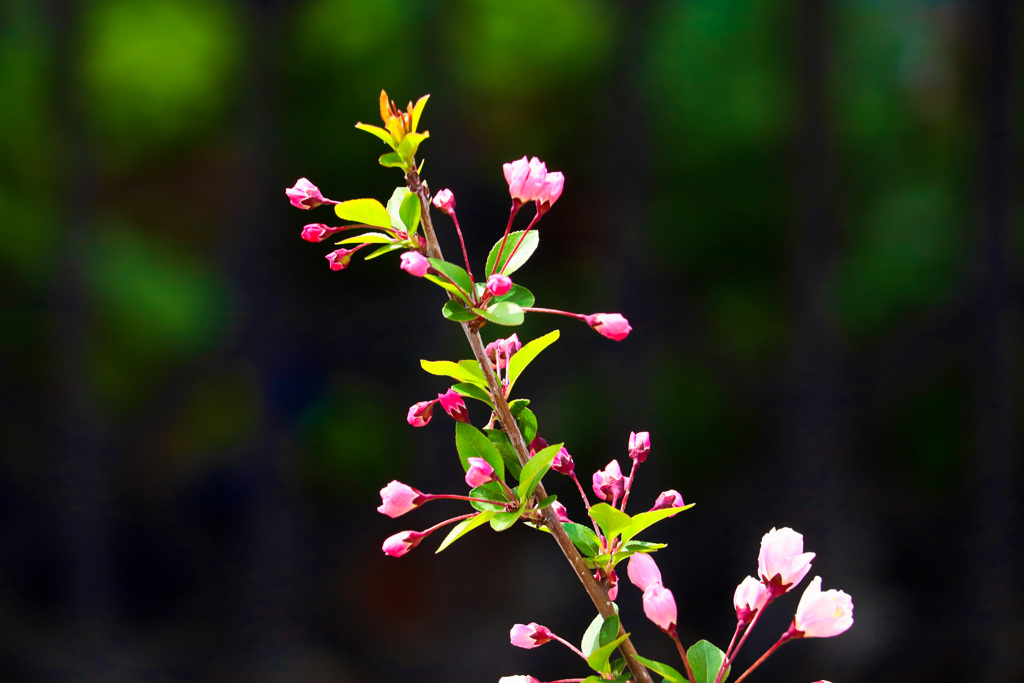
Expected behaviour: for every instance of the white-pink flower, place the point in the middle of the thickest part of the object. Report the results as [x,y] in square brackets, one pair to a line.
[479,473]
[402,542]
[609,483]
[750,596]
[420,413]
[668,499]
[398,498]
[551,190]
[660,606]
[643,571]
[823,614]
[500,351]
[499,284]
[529,636]
[305,195]
[560,512]
[525,178]
[445,200]
[639,445]
[611,325]
[415,263]
[782,562]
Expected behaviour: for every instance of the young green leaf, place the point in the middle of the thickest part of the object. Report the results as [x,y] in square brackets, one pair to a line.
[705,661]
[447,368]
[598,659]
[547,501]
[472,443]
[369,238]
[515,407]
[463,528]
[518,295]
[473,391]
[609,519]
[395,204]
[502,313]
[382,250]
[508,454]
[645,519]
[663,670]
[583,538]
[492,490]
[410,143]
[527,422]
[379,132]
[368,211]
[522,255]
[591,635]
[535,469]
[410,212]
[456,274]
[417,111]
[444,284]
[392,160]
[457,311]
[472,370]
[504,520]
[525,355]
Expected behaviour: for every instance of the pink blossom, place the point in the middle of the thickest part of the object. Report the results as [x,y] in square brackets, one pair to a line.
[402,542]
[782,562]
[613,585]
[551,190]
[305,195]
[643,571]
[660,606]
[340,258]
[445,200]
[668,499]
[750,596]
[538,444]
[500,351]
[479,473]
[397,499]
[415,263]
[420,413]
[318,232]
[453,404]
[518,679]
[525,178]
[499,284]
[608,483]
[560,512]
[823,614]
[529,636]
[563,463]
[611,325]
[639,445]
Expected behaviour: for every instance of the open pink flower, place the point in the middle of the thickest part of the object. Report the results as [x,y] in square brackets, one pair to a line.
[551,190]
[529,636]
[445,200]
[608,483]
[402,542]
[479,473]
[611,325]
[750,596]
[643,571]
[660,606]
[453,404]
[306,195]
[822,614]
[639,445]
[340,258]
[397,499]
[420,413]
[668,499]
[499,284]
[415,263]
[500,351]
[525,178]
[782,562]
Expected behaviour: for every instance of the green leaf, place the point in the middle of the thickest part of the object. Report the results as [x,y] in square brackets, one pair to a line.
[705,661]
[504,520]
[610,520]
[527,422]
[492,490]
[547,501]
[444,284]
[472,443]
[393,160]
[502,313]
[518,295]
[383,250]
[394,205]
[446,368]
[515,407]
[417,111]
[535,469]
[525,355]
[379,132]
[473,391]
[454,273]
[410,212]
[508,453]
[368,237]
[598,659]
[463,528]
[410,143]
[523,254]
[646,519]
[583,538]
[472,370]
[592,635]
[368,211]
[455,310]
[663,670]
[609,631]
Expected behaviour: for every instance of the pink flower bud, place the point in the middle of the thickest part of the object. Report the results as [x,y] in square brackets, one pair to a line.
[563,463]
[750,596]
[611,325]
[445,200]
[453,404]
[668,499]
[823,614]
[529,636]
[420,413]
[305,195]
[560,512]
[782,562]
[479,473]
[613,585]
[525,178]
[397,499]
[538,444]
[500,351]
[518,679]
[660,606]
[402,542]
[639,445]
[340,258]
[643,571]
[415,263]
[318,232]
[499,284]
[551,190]
[608,483]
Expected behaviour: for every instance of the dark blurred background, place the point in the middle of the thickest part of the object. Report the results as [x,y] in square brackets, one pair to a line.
[808,209]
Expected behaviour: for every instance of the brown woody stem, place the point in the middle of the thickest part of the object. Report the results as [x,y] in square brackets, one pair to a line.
[597,593]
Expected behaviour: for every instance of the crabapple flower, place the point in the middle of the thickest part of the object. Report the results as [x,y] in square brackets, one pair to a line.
[539,443]
[525,178]
[518,679]
[639,445]
[500,351]
[340,258]
[420,413]
[397,499]
[611,325]
[643,571]
[562,463]
[402,542]
[453,404]
[529,636]
[613,585]
[479,473]
[608,483]
[660,606]
[668,499]
[445,200]
[750,596]
[318,232]
[551,190]
[822,614]
[782,562]
[560,512]
[415,263]
[305,195]
[499,284]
